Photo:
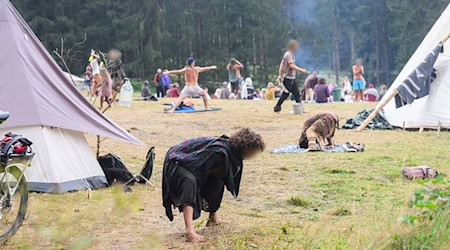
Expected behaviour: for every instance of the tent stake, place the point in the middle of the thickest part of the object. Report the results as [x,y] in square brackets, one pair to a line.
[379,107]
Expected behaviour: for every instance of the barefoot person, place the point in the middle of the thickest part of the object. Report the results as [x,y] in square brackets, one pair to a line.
[191,89]
[197,171]
[358,80]
[286,75]
[318,130]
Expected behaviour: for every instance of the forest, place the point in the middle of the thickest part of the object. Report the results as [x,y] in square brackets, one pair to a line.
[155,34]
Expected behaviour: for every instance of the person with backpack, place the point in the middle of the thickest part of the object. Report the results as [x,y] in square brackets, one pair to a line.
[196,172]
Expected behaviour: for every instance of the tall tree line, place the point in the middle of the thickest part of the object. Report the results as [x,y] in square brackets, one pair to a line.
[161,33]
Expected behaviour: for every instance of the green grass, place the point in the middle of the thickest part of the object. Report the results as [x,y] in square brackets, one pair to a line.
[270,212]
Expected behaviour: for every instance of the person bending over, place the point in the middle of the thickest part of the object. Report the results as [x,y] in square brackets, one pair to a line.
[318,130]
[192,89]
[310,84]
[197,171]
[286,74]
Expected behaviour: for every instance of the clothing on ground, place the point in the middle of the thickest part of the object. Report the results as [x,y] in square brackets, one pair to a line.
[200,158]
[379,122]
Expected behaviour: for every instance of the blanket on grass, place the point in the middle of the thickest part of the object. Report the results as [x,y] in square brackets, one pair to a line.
[347,147]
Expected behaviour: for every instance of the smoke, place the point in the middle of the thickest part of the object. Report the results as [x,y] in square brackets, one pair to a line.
[307,22]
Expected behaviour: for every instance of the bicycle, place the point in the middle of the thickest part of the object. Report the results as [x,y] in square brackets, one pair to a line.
[15,157]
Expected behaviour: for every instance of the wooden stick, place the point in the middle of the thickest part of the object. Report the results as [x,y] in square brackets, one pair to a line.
[379,107]
[445,39]
[421,130]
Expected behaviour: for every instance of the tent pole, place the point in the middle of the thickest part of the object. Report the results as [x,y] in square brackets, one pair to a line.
[98,146]
[379,107]
[445,39]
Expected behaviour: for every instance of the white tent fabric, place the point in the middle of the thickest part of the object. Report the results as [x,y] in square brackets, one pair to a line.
[433,110]
[46,108]
[63,162]
[78,80]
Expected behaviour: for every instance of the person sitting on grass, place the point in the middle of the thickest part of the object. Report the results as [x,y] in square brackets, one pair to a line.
[174,92]
[196,172]
[371,94]
[318,129]
[192,89]
[226,92]
[321,91]
[271,91]
[145,91]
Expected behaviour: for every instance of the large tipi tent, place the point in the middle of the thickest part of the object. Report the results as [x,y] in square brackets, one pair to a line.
[46,108]
[434,110]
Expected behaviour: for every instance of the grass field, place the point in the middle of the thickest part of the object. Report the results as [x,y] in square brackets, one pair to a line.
[296,201]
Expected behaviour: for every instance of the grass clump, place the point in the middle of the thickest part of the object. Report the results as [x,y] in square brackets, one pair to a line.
[342,212]
[340,171]
[299,201]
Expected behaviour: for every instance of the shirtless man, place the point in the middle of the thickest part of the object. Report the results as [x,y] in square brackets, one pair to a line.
[191,89]
[358,80]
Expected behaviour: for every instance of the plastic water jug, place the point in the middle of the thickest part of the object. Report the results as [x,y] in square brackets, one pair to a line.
[126,94]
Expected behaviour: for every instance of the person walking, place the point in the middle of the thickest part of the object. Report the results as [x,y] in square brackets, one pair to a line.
[287,73]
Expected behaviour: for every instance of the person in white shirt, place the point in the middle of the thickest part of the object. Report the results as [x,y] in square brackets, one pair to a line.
[95,65]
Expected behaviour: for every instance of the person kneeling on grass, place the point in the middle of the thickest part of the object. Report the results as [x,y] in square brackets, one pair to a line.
[317,129]
[197,171]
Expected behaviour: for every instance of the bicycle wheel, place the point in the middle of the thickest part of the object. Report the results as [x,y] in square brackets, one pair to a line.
[12,207]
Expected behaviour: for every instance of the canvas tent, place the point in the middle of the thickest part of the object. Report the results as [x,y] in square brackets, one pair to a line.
[46,108]
[433,110]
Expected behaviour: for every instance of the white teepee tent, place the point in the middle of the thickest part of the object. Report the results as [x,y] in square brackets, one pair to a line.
[433,110]
[46,108]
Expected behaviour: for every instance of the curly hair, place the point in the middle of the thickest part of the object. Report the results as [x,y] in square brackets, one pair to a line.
[246,139]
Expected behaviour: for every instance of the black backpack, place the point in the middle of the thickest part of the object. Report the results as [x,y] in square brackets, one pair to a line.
[147,171]
[115,170]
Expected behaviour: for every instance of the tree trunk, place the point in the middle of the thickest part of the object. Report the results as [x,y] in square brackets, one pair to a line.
[337,58]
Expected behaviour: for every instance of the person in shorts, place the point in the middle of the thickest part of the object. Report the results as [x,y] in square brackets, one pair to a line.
[234,75]
[359,83]
[192,89]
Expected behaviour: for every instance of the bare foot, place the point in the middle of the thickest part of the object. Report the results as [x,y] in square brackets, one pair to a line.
[194,237]
[213,223]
